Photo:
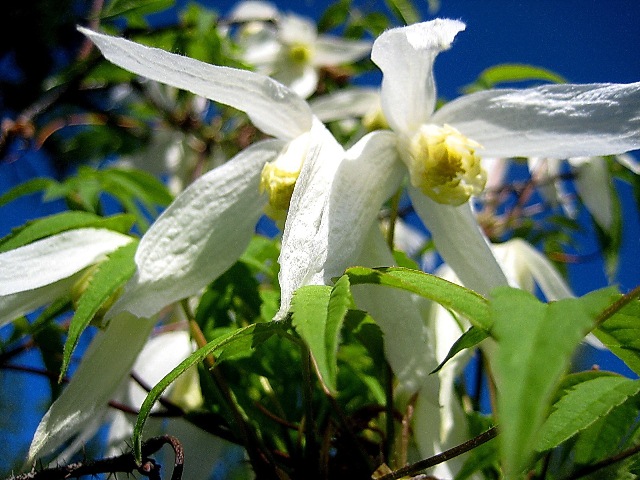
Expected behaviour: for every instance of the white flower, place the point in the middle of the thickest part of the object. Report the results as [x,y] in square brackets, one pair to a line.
[34,275]
[204,231]
[291,51]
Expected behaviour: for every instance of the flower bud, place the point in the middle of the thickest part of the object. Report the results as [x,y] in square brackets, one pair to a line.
[279,177]
[443,163]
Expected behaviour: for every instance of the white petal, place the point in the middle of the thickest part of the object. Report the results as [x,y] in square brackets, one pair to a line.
[629,162]
[103,368]
[251,10]
[302,79]
[405,56]
[524,264]
[408,342]
[593,184]
[347,103]
[18,304]
[304,231]
[273,108]
[338,51]
[555,121]
[294,29]
[460,242]
[201,234]
[46,261]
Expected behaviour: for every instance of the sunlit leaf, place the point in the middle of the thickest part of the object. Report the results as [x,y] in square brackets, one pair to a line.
[509,73]
[26,188]
[106,279]
[451,296]
[535,343]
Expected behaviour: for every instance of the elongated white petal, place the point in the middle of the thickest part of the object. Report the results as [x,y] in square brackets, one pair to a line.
[201,234]
[273,108]
[17,304]
[46,261]
[460,242]
[525,265]
[406,55]
[554,121]
[593,184]
[338,51]
[304,246]
[347,103]
[105,365]
[301,79]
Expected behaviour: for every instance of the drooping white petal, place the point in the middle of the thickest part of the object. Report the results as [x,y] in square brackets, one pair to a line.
[460,242]
[51,259]
[201,234]
[406,55]
[628,161]
[302,79]
[105,365]
[18,304]
[347,103]
[593,184]
[555,121]
[338,51]
[273,108]
[525,265]
[304,231]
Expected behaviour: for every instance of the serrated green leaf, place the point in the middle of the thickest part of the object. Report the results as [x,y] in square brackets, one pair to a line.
[535,344]
[468,339]
[621,334]
[26,188]
[318,313]
[60,222]
[511,72]
[582,406]
[239,341]
[451,296]
[106,280]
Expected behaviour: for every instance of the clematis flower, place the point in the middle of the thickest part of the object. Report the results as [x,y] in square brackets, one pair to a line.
[205,230]
[290,50]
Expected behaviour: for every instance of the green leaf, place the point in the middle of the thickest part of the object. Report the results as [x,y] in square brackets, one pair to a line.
[53,224]
[468,339]
[511,72]
[404,10]
[104,282]
[451,296]
[621,334]
[318,315]
[582,406]
[237,342]
[535,344]
[335,14]
[26,188]
[116,8]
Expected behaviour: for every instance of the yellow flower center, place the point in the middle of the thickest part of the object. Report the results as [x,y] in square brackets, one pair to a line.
[443,163]
[300,53]
[279,177]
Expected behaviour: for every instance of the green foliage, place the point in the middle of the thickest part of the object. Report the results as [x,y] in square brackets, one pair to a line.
[510,73]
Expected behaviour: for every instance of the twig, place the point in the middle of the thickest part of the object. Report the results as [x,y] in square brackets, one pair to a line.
[123,463]
[442,457]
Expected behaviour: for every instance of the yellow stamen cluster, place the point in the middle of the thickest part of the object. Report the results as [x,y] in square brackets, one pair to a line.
[443,163]
[299,53]
[279,177]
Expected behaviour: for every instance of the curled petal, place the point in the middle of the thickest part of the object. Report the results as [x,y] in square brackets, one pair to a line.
[304,244]
[554,121]
[201,234]
[460,242]
[594,187]
[104,367]
[272,107]
[406,55]
[53,258]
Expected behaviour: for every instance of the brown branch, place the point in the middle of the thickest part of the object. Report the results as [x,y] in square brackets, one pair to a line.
[607,462]
[441,457]
[123,463]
